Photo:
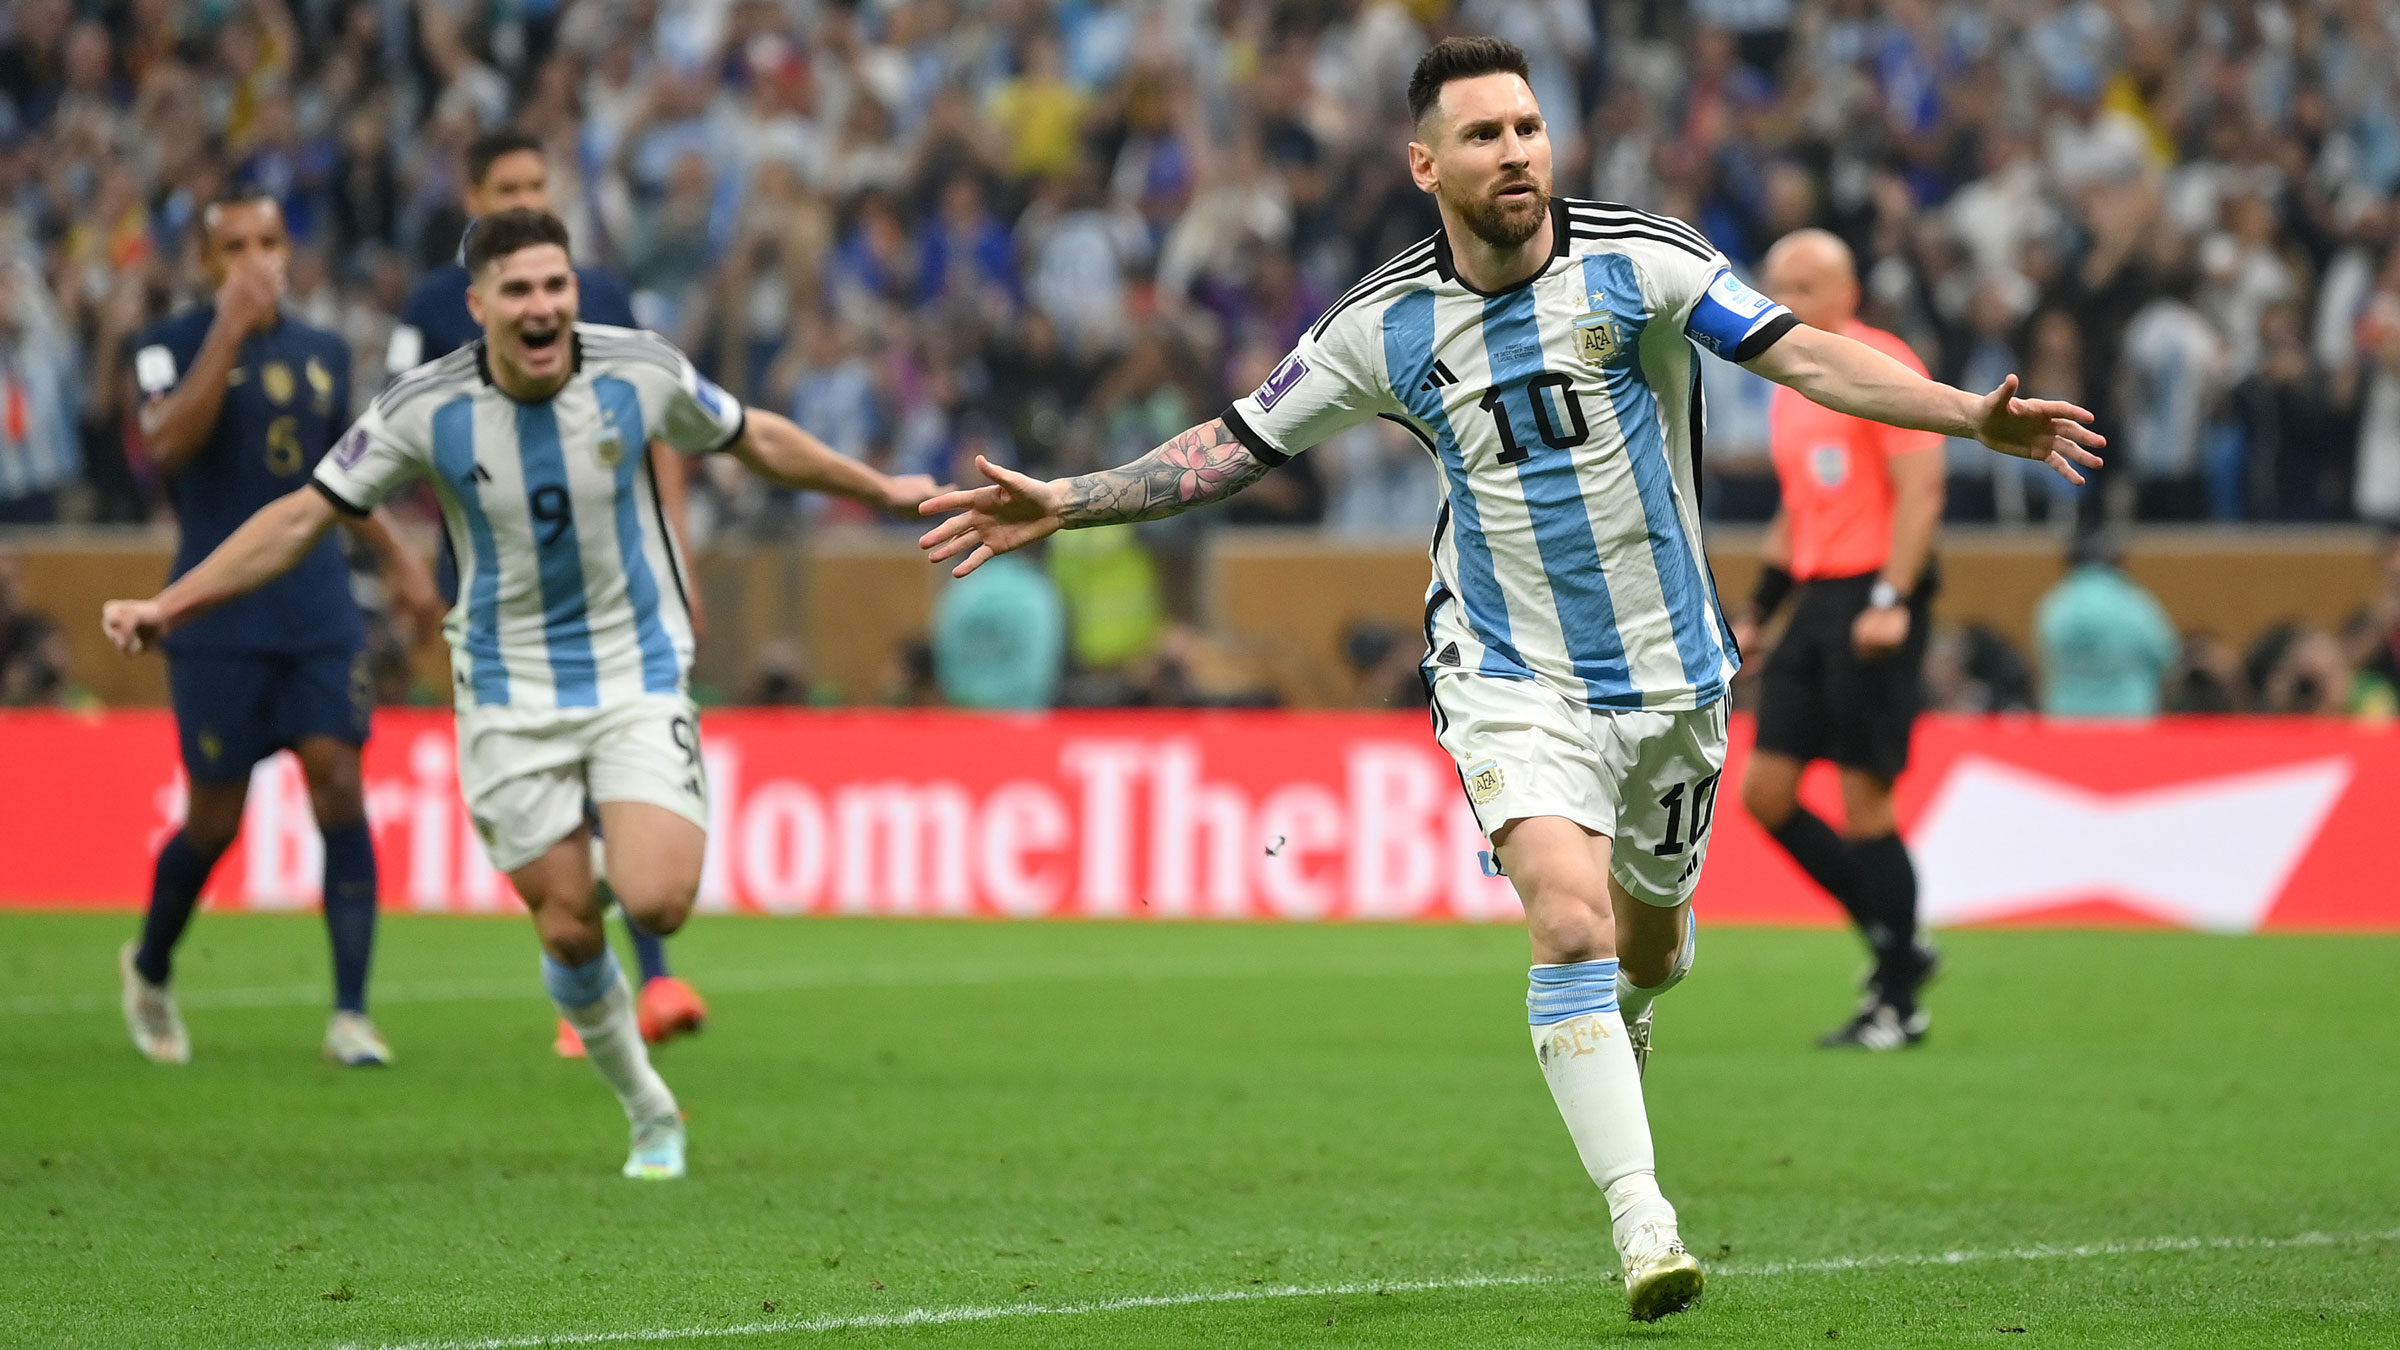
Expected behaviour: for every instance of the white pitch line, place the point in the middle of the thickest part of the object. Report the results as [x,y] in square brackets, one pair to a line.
[755,982]
[934,1317]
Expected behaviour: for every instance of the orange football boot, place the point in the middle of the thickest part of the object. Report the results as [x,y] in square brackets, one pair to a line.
[669,1008]
[568,1045]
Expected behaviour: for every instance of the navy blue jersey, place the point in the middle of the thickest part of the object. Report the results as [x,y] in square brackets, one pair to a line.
[435,322]
[286,399]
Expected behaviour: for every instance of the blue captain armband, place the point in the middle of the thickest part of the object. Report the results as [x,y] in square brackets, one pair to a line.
[1734,321]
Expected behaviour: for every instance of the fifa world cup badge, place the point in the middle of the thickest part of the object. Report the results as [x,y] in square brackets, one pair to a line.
[276,378]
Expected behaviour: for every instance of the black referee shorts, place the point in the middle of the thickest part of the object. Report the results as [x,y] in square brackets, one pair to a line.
[1818,700]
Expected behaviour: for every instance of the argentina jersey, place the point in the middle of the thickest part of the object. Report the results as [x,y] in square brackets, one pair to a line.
[571,593]
[1564,413]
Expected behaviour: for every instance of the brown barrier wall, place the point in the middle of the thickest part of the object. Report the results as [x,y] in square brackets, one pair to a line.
[851,598]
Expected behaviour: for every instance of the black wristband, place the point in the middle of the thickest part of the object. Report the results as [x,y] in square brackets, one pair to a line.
[1774,583]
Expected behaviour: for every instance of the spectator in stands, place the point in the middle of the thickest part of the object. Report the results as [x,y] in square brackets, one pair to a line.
[33,653]
[2206,677]
[999,642]
[2173,371]
[2105,642]
[39,454]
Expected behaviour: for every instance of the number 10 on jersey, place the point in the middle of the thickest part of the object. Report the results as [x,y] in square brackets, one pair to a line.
[1546,409]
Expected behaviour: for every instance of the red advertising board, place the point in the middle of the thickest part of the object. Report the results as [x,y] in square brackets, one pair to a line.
[2222,825]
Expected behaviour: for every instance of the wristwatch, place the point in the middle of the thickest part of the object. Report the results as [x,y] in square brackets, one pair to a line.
[1884,596]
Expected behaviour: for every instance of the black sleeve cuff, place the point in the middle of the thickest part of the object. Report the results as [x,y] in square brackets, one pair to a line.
[340,503]
[740,430]
[1767,335]
[1250,439]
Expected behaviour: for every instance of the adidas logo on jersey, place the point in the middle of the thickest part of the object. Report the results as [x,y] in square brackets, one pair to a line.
[1449,656]
[1440,378]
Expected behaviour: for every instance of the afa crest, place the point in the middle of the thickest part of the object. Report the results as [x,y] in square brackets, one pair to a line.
[1485,781]
[276,378]
[1597,340]
[609,449]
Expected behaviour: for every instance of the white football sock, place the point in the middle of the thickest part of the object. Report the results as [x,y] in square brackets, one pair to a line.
[597,1002]
[1579,1039]
[1633,1000]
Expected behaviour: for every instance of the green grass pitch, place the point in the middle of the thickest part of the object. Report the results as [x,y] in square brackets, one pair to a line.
[1061,1134]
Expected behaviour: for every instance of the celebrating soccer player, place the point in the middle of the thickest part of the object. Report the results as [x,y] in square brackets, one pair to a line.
[1861,502]
[1543,351]
[508,168]
[240,402]
[571,643]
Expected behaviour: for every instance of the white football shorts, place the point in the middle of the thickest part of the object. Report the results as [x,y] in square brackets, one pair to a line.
[1646,779]
[526,777]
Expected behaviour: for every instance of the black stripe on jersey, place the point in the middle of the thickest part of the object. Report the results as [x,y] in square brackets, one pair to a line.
[1582,231]
[656,351]
[340,503]
[666,537]
[1422,439]
[1764,336]
[1410,263]
[1250,439]
[1619,213]
[428,379]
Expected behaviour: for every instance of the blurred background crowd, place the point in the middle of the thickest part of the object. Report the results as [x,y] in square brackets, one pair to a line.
[1055,232]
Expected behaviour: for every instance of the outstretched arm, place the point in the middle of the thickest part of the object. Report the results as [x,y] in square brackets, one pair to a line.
[267,545]
[1852,377]
[776,449]
[1202,465]
[416,601]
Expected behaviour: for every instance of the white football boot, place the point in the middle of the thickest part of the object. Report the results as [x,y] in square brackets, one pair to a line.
[150,1016]
[1661,1278]
[1637,1035]
[657,1150]
[352,1040]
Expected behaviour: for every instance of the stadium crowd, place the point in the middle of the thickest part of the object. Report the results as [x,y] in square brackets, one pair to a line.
[1056,233]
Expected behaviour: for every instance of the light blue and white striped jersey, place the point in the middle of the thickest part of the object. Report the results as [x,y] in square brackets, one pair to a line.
[1565,415]
[570,589]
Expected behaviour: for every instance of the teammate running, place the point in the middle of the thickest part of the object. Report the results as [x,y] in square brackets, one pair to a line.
[240,401]
[508,168]
[1543,352]
[570,645]
[1861,503]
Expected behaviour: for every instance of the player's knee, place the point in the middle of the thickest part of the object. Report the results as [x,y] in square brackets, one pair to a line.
[211,820]
[336,792]
[1768,801]
[660,906]
[1570,923]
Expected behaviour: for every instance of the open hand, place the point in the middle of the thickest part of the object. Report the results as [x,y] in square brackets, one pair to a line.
[2047,431]
[1013,512]
[133,626]
[416,604]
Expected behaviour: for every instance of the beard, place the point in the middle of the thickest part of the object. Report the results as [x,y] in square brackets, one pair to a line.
[1506,224]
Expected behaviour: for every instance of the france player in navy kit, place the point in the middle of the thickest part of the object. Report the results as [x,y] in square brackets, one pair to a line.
[239,403]
[506,169]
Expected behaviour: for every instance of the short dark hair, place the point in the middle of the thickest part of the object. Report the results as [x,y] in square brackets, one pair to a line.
[236,194]
[501,233]
[1461,58]
[486,150]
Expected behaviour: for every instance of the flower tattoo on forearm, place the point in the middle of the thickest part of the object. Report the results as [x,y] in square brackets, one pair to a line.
[1204,464]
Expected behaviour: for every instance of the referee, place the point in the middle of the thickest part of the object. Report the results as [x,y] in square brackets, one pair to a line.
[1852,547]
